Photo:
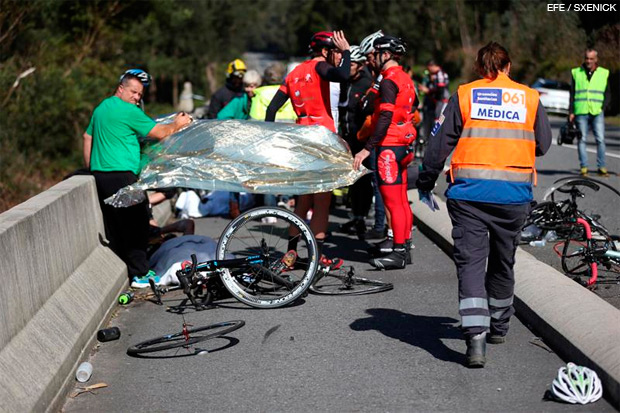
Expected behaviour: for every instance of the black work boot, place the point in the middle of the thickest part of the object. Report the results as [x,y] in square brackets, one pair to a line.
[395,260]
[360,229]
[348,227]
[382,248]
[476,351]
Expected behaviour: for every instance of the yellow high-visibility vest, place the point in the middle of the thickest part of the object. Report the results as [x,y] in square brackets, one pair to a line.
[589,95]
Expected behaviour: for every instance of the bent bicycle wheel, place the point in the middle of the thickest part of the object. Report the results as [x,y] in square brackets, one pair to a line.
[342,284]
[279,281]
[185,339]
[575,256]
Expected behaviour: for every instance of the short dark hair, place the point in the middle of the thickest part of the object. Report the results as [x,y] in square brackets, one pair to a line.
[491,59]
[127,77]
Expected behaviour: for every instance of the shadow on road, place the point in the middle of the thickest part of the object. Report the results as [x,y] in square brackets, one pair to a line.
[425,332]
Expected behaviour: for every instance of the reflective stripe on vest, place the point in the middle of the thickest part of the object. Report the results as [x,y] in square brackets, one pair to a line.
[589,95]
[498,140]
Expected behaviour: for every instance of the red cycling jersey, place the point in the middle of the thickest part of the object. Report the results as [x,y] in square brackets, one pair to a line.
[309,95]
[401,131]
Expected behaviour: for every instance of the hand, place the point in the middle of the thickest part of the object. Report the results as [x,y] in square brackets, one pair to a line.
[359,158]
[428,199]
[182,119]
[340,41]
[571,117]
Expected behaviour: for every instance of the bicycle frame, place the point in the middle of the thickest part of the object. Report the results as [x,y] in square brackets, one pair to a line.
[590,256]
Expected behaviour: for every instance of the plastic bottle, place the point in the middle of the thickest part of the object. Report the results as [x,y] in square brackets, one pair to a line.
[108,334]
[538,243]
[125,298]
[84,371]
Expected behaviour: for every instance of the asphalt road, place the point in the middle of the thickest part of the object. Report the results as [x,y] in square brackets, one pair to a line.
[562,161]
[389,352]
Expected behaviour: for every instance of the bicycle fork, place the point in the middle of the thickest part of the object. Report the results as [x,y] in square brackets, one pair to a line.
[593,264]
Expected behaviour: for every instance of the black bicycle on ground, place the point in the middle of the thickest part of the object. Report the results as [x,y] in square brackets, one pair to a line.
[585,246]
[253,263]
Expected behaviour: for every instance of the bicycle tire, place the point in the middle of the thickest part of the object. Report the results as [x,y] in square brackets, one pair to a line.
[338,284]
[171,341]
[249,234]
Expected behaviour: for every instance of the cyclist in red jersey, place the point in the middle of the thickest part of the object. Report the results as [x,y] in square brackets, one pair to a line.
[308,88]
[393,135]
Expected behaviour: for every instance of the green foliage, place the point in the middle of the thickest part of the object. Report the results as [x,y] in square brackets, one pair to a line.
[79,48]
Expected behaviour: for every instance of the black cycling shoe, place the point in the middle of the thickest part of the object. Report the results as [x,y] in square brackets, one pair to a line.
[374,234]
[382,248]
[408,247]
[476,351]
[396,260]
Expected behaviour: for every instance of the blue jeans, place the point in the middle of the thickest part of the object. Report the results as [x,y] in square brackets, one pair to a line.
[597,124]
[379,207]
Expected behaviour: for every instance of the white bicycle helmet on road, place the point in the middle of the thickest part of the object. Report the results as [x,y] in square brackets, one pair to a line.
[576,384]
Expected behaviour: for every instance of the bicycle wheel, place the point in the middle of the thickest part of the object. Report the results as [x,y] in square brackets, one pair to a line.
[195,335]
[343,284]
[264,231]
[575,256]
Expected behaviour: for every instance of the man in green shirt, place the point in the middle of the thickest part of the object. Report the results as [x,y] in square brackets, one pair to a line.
[588,98]
[112,152]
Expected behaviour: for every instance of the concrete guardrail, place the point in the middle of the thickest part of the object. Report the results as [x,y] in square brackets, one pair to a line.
[58,285]
[580,326]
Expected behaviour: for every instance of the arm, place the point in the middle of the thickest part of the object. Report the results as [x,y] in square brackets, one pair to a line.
[571,102]
[387,92]
[215,105]
[336,74]
[88,145]
[441,145]
[542,131]
[161,132]
[276,103]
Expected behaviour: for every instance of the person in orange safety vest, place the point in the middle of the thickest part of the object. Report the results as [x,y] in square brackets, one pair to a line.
[496,127]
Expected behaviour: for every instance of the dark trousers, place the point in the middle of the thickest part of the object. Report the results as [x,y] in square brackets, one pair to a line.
[127,229]
[485,241]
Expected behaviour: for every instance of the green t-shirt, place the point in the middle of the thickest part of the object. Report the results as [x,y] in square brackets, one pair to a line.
[115,127]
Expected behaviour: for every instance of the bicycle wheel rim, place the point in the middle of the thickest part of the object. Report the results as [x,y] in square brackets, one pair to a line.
[176,340]
[248,235]
[335,284]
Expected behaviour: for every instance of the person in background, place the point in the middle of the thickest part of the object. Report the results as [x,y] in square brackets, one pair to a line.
[308,88]
[589,96]
[496,128]
[239,107]
[272,79]
[233,88]
[112,153]
[351,120]
[435,88]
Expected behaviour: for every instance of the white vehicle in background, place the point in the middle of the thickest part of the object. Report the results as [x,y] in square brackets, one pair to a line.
[554,95]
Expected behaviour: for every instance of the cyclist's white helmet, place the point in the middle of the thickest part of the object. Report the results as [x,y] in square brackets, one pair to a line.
[356,55]
[576,384]
[366,45]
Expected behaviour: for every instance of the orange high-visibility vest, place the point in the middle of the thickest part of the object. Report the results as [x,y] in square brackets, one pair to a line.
[497,141]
